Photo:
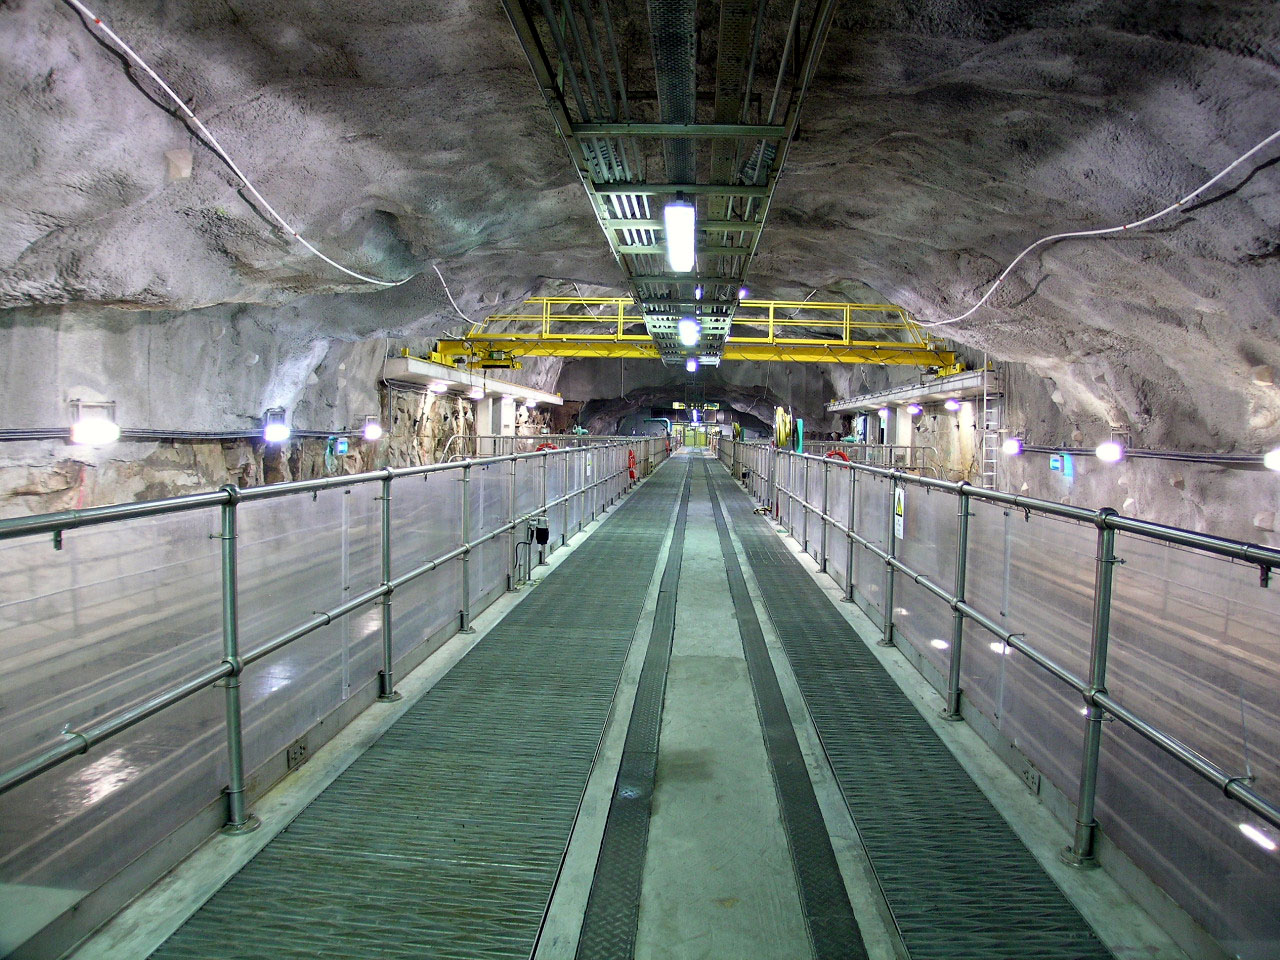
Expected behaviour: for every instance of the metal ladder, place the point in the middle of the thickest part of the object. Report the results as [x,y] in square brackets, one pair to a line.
[990,449]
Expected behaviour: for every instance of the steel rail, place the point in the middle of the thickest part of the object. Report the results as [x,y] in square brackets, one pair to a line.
[1098,703]
[76,742]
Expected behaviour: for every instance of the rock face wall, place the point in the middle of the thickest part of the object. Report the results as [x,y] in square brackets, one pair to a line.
[940,139]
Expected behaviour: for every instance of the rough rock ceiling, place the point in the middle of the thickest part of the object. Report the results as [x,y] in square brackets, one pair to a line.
[940,138]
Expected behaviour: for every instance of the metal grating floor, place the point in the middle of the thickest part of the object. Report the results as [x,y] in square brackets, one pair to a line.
[444,839]
[960,884]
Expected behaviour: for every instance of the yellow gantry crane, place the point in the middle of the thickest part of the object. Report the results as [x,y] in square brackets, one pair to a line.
[763,331]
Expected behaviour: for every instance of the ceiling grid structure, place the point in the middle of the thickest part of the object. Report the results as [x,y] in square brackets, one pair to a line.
[644,132]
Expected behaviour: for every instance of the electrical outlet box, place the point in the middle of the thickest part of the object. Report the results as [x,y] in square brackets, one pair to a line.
[296,755]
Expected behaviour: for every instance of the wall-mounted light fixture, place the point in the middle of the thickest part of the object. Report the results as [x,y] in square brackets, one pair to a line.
[952,404]
[691,365]
[477,393]
[530,403]
[915,409]
[438,387]
[884,413]
[275,426]
[1012,447]
[678,220]
[372,429]
[1271,459]
[697,292]
[93,423]
[1110,451]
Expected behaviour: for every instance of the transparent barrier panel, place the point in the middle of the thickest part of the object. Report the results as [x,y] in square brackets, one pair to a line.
[490,492]
[556,516]
[426,519]
[1193,651]
[838,506]
[928,547]
[1033,577]
[120,612]
[1187,836]
[871,520]
[292,556]
[812,492]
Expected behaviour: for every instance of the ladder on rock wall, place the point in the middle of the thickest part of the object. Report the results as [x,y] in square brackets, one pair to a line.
[990,448]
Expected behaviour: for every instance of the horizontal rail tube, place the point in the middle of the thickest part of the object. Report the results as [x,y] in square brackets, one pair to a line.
[80,741]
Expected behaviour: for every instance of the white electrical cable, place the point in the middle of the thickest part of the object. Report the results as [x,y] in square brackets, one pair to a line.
[448,294]
[1098,233]
[212,141]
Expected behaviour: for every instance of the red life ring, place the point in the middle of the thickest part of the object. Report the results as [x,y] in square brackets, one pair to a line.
[545,446]
[631,463]
[838,455]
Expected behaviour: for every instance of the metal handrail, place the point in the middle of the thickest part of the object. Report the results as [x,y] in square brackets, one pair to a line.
[228,670]
[1098,703]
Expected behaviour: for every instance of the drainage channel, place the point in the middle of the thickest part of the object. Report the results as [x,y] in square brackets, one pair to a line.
[833,929]
[613,904]
[960,884]
[444,839]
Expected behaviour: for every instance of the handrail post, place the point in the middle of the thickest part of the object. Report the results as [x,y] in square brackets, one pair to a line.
[546,513]
[238,819]
[568,498]
[952,711]
[853,516]
[826,483]
[513,537]
[1083,850]
[891,548]
[466,551]
[804,506]
[386,676]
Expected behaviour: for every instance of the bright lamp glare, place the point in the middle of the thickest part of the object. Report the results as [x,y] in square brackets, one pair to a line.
[743,293]
[952,404]
[697,292]
[915,409]
[1271,460]
[691,365]
[678,220]
[94,429]
[439,387]
[1001,648]
[530,403]
[1012,447]
[884,413]
[477,393]
[689,331]
[373,431]
[275,432]
[1110,452]
[1258,837]
[938,643]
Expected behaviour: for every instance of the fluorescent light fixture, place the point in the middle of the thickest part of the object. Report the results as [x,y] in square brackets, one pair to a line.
[939,644]
[689,331]
[1004,648]
[697,292]
[1012,446]
[952,404]
[477,393]
[372,430]
[438,387]
[1258,837]
[1271,460]
[915,409]
[94,424]
[678,219]
[691,364]
[275,426]
[1112,451]
[743,293]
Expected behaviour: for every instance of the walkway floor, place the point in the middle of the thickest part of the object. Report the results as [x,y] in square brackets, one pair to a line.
[674,747]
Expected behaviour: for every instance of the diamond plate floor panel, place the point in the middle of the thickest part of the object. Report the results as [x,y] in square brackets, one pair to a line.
[444,839]
[959,882]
